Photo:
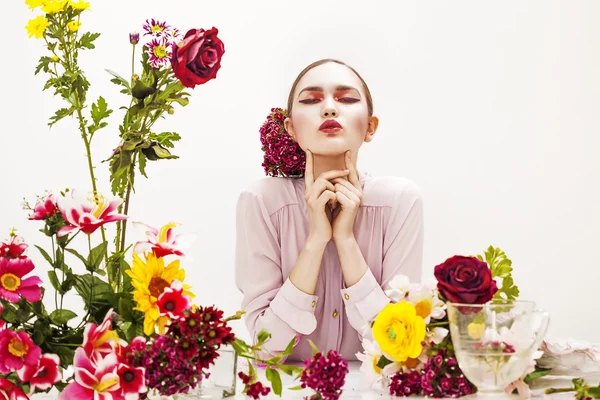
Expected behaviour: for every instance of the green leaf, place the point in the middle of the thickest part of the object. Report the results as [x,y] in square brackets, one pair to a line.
[275,379]
[118,79]
[166,138]
[289,348]
[594,392]
[9,314]
[142,164]
[538,373]
[140,90]
[263,335]
[76,254]
[43,65]
[96,255]
[382,362]
[121,162]
[60,114]
[240,346]
[299,387]
[60,317]
[289,369]
[54,281]
[314,348]
[87,40]
[99,112]
[45,254]
[102,291]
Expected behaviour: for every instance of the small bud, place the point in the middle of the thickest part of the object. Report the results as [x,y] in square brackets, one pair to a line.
[54,58]
[171,111]
[134,38]
[135,77]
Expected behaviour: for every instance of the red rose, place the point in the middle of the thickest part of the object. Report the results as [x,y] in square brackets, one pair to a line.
[465,280]
[197,58]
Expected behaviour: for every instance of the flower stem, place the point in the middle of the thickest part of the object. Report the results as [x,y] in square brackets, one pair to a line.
[558,390]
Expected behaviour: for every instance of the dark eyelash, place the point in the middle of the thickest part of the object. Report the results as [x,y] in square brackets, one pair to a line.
[312,101]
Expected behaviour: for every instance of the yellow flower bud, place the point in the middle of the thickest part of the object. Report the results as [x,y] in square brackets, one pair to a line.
[171,111]
[475,330]
[54,58]
[74,26]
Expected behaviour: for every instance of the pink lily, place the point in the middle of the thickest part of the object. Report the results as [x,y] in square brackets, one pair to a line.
[99,341]
[87,215]
[44,209]
[42,376]
[93,381]
[163,242]
[9,391]
[12,284]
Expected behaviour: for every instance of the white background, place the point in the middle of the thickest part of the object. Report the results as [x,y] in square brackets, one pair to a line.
[491,108]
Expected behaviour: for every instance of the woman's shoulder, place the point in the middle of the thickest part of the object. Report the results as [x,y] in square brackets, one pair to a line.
[274,192]
[386,191]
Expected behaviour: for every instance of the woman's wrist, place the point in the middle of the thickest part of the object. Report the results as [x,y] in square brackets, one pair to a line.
[316,243]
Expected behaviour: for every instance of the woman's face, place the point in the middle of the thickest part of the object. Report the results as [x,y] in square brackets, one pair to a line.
[330,91]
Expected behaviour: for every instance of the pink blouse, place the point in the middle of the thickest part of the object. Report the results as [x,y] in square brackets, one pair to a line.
[271,230]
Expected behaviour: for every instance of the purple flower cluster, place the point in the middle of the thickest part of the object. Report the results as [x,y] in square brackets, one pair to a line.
[253,389]
[178,360]
[405,384]
[166,369]
[283,156]
[440,377]
[325,374]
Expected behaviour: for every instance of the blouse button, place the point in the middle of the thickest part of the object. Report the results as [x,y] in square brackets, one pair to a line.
[314,303]
[346,296]
[335,314]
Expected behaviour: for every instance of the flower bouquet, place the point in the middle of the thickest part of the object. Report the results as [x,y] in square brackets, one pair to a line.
[435,339]
[140,331]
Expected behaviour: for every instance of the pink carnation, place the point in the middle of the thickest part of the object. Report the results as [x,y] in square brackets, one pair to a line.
[325,374]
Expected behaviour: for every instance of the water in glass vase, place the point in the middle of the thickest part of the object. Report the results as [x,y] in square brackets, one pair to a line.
[492,372]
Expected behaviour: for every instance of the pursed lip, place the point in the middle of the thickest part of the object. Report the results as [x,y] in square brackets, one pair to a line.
[330,124]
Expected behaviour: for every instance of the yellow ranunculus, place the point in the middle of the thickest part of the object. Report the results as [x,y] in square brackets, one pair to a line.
[74,26]
[80,5]
[399,331]
[54,6]
[33,4]
[37,26]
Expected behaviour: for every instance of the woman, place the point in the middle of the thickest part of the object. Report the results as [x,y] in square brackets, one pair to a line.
[314,255]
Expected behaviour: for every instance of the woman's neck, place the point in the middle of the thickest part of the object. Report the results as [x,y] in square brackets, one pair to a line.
[328,163]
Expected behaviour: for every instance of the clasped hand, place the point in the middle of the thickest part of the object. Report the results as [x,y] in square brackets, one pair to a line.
[333,200]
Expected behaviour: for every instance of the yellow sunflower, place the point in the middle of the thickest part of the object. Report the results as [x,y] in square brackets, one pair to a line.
[149,280]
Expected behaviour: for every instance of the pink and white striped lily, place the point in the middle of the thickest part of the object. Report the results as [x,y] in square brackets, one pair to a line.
[87,215]
[94,381]
[163,242]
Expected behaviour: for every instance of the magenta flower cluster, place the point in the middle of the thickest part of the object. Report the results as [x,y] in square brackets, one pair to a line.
[440,377]
[283,156]
[325,374]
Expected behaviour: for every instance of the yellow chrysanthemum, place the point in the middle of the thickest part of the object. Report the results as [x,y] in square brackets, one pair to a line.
[74,26]
[37,26]
[54,6]
[33,4]
[80,5]
[399,331]
[149,280]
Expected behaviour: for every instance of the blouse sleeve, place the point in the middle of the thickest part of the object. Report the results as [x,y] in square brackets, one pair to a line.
[270,302]
[402,254]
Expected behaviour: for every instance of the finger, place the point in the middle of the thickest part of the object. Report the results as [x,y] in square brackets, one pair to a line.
[353,177]
[350,186]
[308,171]
[326,196]
[319,186]
[345,196]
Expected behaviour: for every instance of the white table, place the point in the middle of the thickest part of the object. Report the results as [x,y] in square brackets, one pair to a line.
[355,387]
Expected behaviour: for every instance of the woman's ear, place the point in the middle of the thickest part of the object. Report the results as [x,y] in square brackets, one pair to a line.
[372,128]
[287,123]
